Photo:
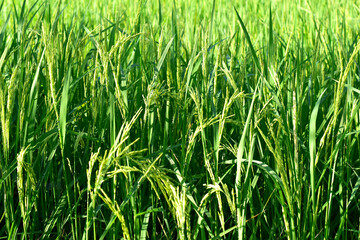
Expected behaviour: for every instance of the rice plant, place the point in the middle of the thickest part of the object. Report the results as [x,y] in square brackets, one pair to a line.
[179,119]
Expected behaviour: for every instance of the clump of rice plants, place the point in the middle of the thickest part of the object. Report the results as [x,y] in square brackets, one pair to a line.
[179,119]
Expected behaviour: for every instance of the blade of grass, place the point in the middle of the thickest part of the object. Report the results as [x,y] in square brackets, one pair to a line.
[312,148]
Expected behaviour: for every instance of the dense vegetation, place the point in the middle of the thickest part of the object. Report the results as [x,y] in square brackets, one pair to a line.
[179,119]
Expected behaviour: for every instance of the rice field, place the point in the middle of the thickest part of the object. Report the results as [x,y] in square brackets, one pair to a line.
[179,119]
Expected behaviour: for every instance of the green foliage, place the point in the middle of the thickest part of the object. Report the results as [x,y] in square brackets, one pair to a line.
[179,119]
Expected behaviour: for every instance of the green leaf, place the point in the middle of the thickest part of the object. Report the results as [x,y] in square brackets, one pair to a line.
[63,108]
